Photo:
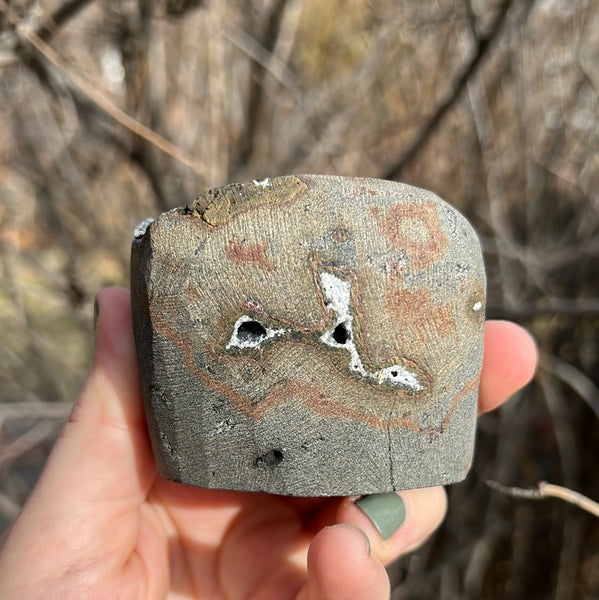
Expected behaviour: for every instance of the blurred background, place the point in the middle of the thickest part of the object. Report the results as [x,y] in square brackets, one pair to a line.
[114,111]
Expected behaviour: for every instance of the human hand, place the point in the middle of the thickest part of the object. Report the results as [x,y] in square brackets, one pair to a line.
[102,524]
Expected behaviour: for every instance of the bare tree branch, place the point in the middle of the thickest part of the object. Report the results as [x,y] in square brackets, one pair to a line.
[89,90]
[64,13]
[548,490]
[26,442]
[255,94]
[575,307]
[483,45]
[575,378]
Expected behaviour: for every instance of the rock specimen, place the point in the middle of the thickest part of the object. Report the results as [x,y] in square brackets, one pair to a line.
[310,335]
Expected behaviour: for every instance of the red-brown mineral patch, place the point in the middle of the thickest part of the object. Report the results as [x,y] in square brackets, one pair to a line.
[256,254]
[413,229]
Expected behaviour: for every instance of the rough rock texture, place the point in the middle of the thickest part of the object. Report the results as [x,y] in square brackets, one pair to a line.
[310,335]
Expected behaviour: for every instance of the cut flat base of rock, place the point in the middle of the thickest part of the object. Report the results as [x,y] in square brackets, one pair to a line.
[310,335]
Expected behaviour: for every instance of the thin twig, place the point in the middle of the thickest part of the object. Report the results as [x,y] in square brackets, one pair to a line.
[255,94]
[35,409]
[28,441]
[546,490]
[263,57]
[53,22]
[9,509]
[579,307]
[101,101]
[575,378]
[483,45]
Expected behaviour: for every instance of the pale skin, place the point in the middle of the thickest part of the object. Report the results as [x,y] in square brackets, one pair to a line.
[102,524]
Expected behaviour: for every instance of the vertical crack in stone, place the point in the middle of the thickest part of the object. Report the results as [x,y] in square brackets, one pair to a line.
[390,446]
[391,466]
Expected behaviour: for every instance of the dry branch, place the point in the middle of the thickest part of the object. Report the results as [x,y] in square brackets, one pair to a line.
[34,409]
[101,101]
[64,13]
[483,45]
[549,490]
[575,378]
[28,441]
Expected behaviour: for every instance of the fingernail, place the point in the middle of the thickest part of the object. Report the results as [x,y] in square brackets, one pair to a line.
[368,548]
[96,311]
[387,512]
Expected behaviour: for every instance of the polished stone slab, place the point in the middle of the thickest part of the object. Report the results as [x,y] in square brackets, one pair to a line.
[310,335]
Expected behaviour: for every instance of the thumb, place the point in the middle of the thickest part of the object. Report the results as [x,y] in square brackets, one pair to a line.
[103,452]
[341,567]
[101,467]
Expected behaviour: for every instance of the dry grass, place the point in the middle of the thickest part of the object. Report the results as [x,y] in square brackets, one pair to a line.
[494,105]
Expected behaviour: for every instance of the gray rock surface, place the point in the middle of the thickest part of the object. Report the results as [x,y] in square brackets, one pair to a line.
[310,335]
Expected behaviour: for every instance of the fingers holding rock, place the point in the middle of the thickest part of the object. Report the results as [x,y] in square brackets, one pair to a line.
[396,522]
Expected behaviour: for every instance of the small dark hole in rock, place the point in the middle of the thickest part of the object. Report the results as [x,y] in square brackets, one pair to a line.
[394,373]
[251,331]
[341,334]
[270,459]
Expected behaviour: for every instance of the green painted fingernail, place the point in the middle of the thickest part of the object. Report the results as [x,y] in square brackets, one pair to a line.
[387,512]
